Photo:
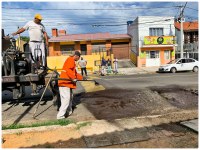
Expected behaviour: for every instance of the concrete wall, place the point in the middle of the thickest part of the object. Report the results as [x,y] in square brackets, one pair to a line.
[132,30]
[58,61]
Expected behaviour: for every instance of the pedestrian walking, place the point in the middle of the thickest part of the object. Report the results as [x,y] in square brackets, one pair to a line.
[83,63]
[115,61]
[66,87]
[37,34]
[109,66]
[103,66]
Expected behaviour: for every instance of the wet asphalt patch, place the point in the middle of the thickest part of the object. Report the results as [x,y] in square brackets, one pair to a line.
[179,97]
[119,103]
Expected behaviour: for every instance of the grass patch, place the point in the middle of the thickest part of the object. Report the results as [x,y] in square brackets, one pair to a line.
[61,122]
[80,125]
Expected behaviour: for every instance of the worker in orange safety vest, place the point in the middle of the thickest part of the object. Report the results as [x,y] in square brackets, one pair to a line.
[66,87]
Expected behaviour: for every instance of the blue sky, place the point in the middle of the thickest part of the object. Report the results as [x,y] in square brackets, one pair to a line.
[89,17]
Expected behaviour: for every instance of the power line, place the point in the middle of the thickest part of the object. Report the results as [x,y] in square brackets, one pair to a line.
[89,8]
[183,10]
[192,8]
[98,25]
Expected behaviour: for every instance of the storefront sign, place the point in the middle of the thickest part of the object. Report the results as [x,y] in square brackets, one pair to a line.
[159,40]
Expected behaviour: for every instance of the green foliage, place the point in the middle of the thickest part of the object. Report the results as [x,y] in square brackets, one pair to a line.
[25,38]
[61,122]
[80,125]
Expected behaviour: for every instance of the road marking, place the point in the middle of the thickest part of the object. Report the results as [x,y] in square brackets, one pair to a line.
[148,77]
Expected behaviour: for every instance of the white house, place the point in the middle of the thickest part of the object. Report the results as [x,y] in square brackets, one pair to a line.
[152,39]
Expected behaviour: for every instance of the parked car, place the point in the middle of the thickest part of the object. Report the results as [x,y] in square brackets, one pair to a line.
[181,64]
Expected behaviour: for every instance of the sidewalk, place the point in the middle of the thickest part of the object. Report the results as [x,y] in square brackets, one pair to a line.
[135,70]
[139,132]
[138,70]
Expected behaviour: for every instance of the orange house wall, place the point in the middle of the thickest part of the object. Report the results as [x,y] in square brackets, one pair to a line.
[141,62]
[54,49]
[89,48]
[108,46]
[77,46]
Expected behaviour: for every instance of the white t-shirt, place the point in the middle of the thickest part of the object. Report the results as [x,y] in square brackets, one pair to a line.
[115,61]
[35,31]
[82,63]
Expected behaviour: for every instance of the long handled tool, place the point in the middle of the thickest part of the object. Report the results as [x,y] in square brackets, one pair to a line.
[43,93]
[95,82]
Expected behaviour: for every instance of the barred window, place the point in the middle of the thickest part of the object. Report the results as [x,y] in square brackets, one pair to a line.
[152,54]
[155,31]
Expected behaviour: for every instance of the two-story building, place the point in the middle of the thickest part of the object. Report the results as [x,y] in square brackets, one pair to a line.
[152,39]
[190,39]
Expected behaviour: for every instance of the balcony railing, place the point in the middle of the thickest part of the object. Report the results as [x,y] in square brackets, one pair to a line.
[191,46]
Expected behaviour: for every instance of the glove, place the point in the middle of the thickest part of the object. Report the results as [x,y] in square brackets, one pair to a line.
[13,34]
[84,78]
[74,80]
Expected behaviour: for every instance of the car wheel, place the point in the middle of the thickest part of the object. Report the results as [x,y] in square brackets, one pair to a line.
[195,69]
[173,70]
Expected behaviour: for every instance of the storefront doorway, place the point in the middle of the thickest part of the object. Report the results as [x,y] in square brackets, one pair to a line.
[152,58]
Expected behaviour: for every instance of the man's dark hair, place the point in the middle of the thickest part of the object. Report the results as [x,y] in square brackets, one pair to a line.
[77,53]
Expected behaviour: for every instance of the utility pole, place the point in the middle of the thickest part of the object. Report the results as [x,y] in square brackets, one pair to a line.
[181,21]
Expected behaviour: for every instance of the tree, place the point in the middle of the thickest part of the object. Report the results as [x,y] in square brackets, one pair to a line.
[25,38]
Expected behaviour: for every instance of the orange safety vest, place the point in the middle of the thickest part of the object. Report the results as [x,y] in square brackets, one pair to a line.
[69,72]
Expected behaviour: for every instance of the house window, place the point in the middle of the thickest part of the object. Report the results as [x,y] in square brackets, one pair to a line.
[98,47]
[167,54]
[152,54]
[155,31]
[66,49]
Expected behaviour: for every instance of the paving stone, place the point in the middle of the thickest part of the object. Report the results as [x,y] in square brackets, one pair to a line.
[192,124]
[118,137]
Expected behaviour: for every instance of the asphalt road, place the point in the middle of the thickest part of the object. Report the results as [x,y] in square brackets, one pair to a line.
[149,80]
[124,82]
[129,111]
[22,111]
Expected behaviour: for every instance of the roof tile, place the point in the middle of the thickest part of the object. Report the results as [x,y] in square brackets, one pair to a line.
[187,26]
[88,36]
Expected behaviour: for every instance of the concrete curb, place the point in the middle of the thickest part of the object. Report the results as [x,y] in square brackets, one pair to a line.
[181,115]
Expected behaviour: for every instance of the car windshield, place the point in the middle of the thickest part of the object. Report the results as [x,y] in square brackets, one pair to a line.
[173,61]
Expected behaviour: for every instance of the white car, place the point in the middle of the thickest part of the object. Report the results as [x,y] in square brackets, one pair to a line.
[181,64]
